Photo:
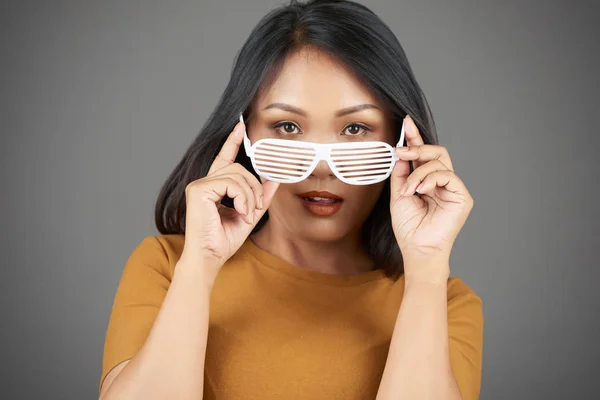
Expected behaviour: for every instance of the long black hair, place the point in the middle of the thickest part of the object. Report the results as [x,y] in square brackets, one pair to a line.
[357,38]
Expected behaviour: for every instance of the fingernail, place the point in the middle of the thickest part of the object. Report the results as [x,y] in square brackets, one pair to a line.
[418,189]
[407,125]
[260,202]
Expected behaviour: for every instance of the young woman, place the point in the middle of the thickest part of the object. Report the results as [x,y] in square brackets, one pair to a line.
[292,263]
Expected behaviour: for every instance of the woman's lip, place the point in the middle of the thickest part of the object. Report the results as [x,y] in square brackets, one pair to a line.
[321,209]
[323,194]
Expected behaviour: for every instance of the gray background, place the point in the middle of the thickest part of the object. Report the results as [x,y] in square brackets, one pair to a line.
[99,100]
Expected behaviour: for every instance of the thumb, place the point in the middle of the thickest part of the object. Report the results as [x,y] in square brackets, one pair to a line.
[269,189]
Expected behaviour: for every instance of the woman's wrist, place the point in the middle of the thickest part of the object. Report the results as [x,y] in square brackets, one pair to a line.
[428,271]
[203,270]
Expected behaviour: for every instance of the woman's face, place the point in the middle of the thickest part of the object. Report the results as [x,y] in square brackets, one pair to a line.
[304,103]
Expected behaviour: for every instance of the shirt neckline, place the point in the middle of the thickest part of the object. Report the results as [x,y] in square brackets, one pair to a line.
[273,262]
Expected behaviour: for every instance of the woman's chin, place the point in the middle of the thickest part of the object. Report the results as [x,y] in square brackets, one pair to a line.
[321,231]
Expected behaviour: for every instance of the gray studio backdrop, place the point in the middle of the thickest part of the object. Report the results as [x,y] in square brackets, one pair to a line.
[100,99]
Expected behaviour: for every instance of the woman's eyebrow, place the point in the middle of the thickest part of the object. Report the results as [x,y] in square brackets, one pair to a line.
[286,107]
[339,113]
[353,109]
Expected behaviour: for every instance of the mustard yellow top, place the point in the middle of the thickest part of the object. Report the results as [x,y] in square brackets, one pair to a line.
[277,331]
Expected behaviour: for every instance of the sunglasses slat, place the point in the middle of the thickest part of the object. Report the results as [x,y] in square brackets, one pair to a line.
[363,157]
[278,156]
[282,165]
[278,161]
[364,167]
[363,162]
[286,178]
[369,179]
[286,149]
[360,151]
[364,173]
[282,171]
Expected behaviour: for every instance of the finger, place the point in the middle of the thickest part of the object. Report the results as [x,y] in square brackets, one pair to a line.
[419,174]
[230,148]
[269,190]
[399,175]
[442,179]
[254,183]
[425,153]
[413,136]
[217,188]
[250,198]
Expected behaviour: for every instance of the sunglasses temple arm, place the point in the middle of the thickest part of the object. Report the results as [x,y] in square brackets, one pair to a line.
[401,140]
[247,144]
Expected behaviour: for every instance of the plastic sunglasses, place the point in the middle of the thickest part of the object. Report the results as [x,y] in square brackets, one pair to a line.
[291,161]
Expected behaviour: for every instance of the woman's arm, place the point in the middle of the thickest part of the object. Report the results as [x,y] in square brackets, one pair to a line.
[170,364]
[418,365]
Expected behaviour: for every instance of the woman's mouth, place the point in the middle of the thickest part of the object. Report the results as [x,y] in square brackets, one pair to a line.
[321,204]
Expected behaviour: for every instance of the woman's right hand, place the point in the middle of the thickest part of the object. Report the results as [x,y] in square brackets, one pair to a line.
[214,232]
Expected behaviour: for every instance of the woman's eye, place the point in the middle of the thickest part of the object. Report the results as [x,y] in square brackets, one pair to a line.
[356,130]
[286,128]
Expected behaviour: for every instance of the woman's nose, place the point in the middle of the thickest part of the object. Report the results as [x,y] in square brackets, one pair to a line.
[322,170]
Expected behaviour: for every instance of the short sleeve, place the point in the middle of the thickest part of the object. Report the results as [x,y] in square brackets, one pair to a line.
[465,330]
[139,296]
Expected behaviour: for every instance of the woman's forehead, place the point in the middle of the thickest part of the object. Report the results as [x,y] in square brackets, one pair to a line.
[311,79]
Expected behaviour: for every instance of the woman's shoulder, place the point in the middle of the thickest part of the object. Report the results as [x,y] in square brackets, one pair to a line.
[461,294]
[164,251]
[172,244]
[160,252]
[169,246]
[457,287]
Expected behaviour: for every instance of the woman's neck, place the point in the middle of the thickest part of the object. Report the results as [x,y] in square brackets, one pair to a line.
[341,257]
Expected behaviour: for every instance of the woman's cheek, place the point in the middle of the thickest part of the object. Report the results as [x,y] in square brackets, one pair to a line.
[363,198]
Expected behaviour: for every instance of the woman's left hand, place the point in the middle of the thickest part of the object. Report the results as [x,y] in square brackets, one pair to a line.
[430,206]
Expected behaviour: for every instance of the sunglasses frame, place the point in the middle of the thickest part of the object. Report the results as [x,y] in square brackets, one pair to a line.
[323,152]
